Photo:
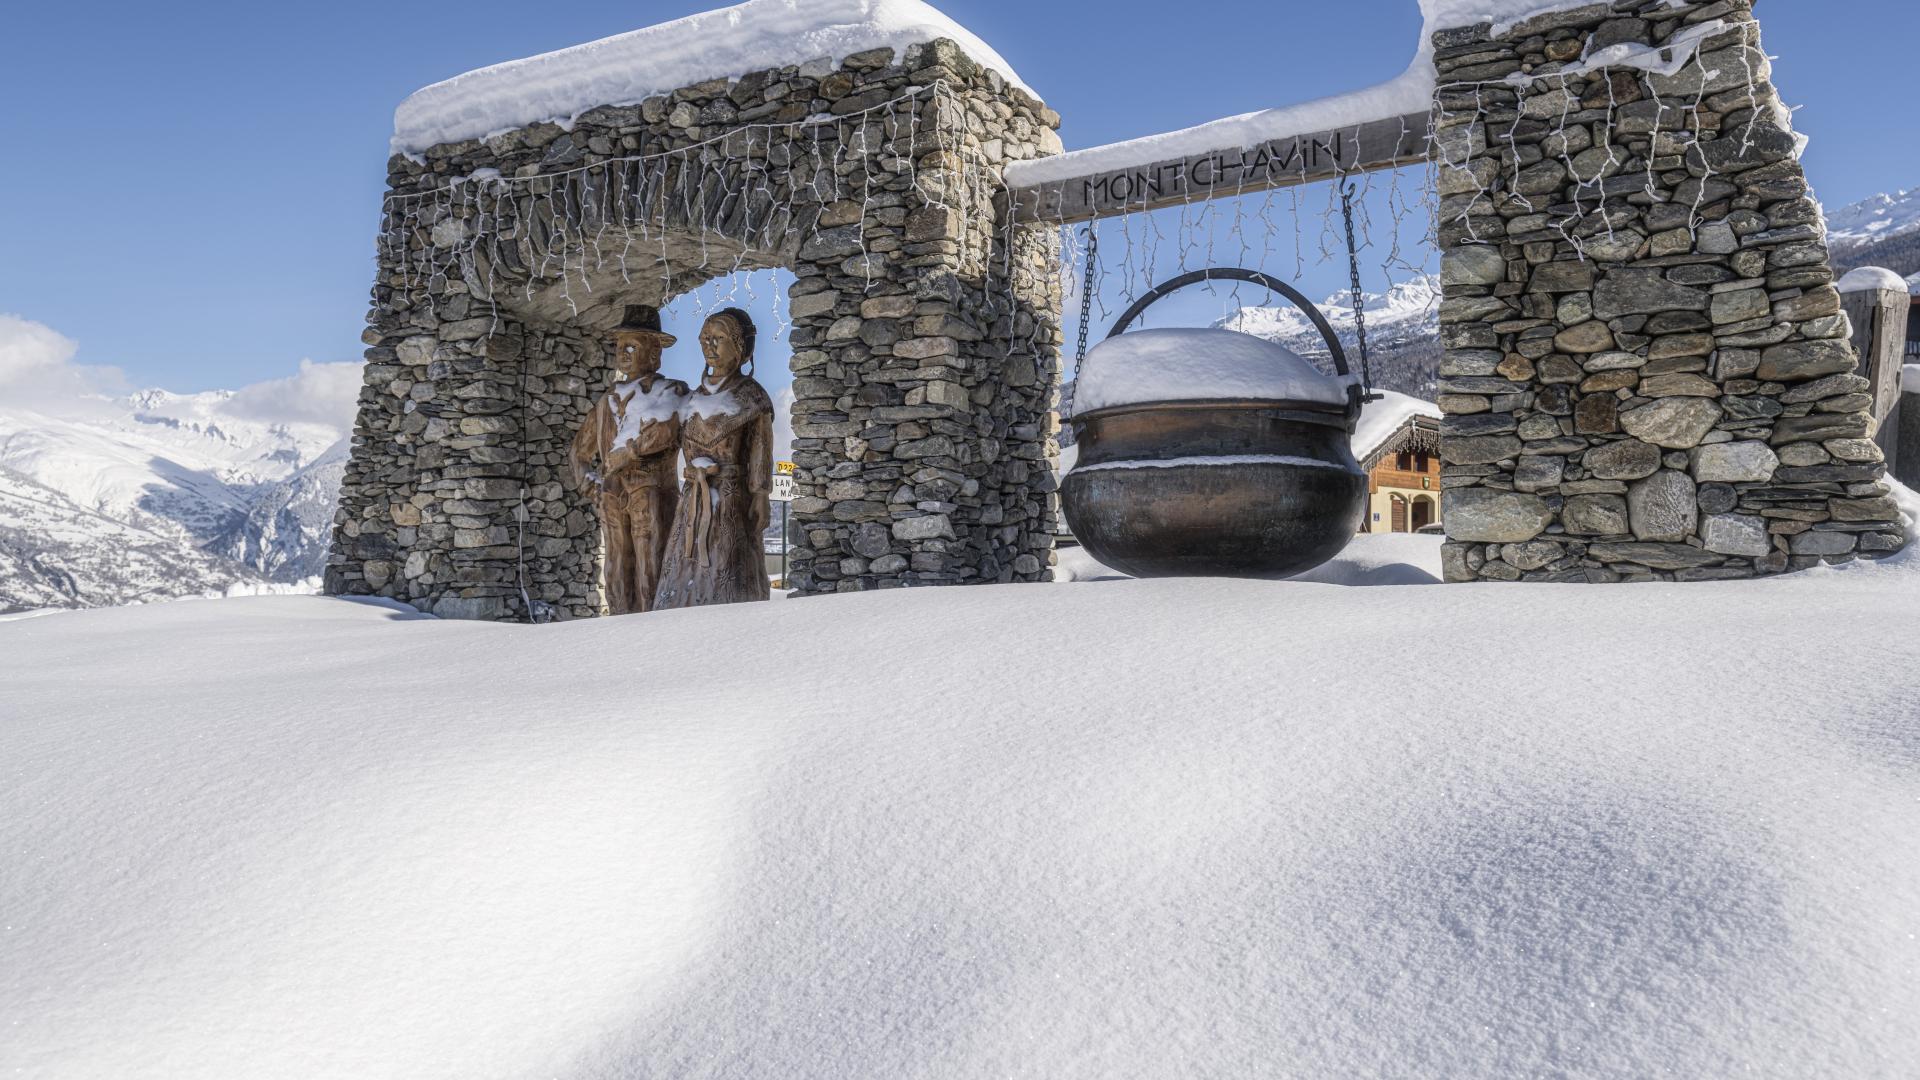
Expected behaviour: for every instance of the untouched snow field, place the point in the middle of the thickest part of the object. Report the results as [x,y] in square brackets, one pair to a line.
[1123,828]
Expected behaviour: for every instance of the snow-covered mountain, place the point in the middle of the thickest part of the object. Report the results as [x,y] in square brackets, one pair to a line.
[1878,217]
[1883,230]
[159,495]
[1403,333]
[55,552]
[288,524]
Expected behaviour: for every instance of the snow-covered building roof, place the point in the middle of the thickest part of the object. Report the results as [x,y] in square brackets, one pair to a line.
[1381,422]
[758,35]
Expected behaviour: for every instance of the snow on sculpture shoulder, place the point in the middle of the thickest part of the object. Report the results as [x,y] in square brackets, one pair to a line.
[1198,365]
[628,68]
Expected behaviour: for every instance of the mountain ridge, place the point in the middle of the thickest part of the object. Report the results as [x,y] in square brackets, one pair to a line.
[157,495]
[1403,334]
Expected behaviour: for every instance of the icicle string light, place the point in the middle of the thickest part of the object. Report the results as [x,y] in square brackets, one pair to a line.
[1492,112]
[737,196]
[1140,247]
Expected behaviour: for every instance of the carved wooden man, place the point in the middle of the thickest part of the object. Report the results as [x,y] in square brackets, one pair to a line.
[627,454]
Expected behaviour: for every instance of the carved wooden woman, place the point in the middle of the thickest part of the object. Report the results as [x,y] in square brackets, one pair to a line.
[714,553]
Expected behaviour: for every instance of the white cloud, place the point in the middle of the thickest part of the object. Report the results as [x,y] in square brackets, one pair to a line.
[316,394]
[37,368]
[37,372]
[27,347]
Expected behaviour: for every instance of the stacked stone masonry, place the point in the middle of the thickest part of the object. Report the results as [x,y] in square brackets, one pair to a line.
[1647,373]
[925,334]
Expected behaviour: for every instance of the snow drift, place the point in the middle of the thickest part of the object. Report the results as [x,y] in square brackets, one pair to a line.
[1214,837]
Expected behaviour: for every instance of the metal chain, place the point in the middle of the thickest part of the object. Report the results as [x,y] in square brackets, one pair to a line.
[1086,293]
[1359,297]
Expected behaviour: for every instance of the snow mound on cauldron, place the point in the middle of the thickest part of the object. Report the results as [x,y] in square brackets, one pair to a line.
[1191,364]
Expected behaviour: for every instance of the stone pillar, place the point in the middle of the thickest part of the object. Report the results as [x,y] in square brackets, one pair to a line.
[1647,373]
[926,357]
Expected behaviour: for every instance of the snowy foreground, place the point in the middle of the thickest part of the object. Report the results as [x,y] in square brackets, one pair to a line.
[1123,828]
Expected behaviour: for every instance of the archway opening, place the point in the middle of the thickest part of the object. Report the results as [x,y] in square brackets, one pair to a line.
[553,337]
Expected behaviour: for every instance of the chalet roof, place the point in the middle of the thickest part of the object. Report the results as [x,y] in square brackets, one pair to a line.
[1418,435]
[1387,419]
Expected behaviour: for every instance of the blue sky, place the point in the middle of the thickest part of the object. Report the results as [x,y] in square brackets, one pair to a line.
[192,189]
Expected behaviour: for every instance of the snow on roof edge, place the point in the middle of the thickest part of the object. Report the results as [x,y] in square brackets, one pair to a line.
[625,69]
[1409,92]
[1380,420]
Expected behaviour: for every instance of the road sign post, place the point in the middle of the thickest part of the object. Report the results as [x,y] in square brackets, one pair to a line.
[783,494]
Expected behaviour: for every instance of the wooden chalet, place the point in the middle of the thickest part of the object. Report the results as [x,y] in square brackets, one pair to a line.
[1403,471]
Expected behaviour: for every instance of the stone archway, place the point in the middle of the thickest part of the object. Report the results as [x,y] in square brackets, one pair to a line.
[925,330]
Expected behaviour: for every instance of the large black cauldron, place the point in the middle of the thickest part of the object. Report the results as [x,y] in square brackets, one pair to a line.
[1261,483]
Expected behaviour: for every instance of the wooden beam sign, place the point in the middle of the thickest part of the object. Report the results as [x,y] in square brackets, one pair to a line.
[1299,159]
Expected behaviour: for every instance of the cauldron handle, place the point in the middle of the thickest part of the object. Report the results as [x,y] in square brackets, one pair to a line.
[1234,273]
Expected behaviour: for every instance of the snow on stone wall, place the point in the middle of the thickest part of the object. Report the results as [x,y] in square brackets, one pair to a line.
[629,68]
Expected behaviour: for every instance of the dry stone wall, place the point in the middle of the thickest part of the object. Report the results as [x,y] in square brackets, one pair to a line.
[1647,373]
[925,333]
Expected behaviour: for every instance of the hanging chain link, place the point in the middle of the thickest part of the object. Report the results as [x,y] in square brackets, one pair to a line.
[1359,297]
[1086,293]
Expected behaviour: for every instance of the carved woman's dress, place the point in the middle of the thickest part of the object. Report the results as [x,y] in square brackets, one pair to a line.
[714,553]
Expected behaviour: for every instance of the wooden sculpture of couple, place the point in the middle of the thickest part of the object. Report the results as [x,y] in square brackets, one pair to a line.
[676,537]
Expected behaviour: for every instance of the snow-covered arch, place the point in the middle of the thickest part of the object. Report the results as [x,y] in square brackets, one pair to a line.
[858,144]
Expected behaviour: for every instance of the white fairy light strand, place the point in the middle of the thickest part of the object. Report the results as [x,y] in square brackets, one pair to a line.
[562,218]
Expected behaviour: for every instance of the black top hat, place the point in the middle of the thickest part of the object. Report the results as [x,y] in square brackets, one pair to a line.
[643,318]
